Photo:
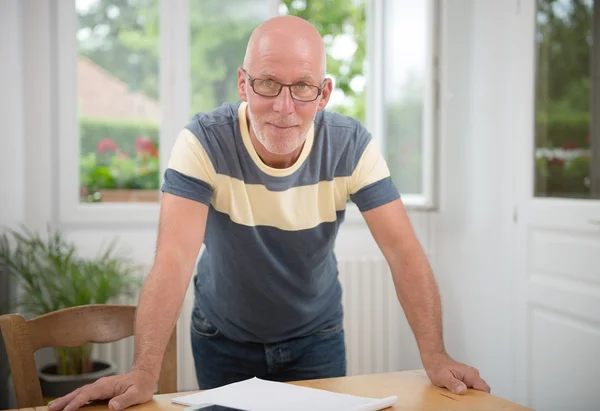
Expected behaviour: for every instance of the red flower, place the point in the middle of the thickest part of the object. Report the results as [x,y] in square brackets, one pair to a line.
[107,146]
[144,145]
[556,162]
[569,145]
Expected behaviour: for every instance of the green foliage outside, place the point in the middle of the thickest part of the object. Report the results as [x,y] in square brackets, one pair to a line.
[563,94]
[563,130]
[127,47]
[568,179]
[122,37]
[334,18]
[124,133]
[97,172]
[117,154]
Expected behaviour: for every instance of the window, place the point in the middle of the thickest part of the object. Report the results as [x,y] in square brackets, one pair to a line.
[343,27]
[382,56]
[118,100]
[567,158]
[143,67]
[219,32]
[409,72]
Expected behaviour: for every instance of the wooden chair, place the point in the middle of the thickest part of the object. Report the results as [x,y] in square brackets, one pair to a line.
[71,327]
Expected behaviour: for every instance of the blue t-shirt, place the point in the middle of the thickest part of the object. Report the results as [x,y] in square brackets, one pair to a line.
[268,272]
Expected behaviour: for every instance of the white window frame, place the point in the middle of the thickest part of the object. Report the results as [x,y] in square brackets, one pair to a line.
[375,100]
[174,102]
[595,109]
[174,98]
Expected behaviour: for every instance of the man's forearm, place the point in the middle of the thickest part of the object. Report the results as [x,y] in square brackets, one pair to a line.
[419,296]
[159,307]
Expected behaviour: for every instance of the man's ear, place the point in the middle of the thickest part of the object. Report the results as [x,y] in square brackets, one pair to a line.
[325,94]
[241,84]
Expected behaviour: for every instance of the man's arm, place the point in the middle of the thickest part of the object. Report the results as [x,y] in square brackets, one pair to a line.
[180,236]
[418,294]
[415,285]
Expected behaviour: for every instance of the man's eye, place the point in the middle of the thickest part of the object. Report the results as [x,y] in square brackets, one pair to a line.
[268,83]
[302,86]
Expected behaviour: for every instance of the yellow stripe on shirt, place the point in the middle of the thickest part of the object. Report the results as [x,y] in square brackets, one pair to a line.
[189,157]
[371,167]
[297,208]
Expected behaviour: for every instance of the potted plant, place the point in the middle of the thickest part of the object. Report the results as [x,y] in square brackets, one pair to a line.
[113,175]
[50,276]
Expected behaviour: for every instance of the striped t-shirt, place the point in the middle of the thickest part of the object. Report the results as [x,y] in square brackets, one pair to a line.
[268,272]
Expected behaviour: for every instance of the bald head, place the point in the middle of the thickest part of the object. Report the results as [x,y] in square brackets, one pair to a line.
[286,37]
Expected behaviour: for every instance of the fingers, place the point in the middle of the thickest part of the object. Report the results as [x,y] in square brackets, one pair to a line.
[101,389]
[481,385]
[59,403]
[132,396]
[81,399]
[456,386]
[456,377]
[473,380]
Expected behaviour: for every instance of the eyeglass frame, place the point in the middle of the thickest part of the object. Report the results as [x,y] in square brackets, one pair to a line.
[251,80]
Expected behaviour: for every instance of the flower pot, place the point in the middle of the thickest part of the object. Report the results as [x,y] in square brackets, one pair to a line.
[129,196]
[54,386]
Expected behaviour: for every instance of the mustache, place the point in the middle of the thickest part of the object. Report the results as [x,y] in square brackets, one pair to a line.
[278,121]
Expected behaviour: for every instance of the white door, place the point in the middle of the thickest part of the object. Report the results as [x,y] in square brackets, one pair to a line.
[557,211]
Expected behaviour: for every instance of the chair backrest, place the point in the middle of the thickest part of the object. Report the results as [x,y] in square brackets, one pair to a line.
[71,327]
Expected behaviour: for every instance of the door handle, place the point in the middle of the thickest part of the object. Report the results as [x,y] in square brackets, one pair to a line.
[594,222]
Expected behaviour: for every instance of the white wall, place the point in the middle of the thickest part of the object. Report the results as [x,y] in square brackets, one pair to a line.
[466,238]
[12,151]
[472,231]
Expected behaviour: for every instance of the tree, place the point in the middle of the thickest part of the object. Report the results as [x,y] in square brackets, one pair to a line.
[564,45]
[122,36]
[337,19]
[563,97]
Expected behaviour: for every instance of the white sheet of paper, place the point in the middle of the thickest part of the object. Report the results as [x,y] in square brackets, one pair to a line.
[256,394]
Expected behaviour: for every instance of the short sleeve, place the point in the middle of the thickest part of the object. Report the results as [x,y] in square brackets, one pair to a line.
[371,184]
[190,172]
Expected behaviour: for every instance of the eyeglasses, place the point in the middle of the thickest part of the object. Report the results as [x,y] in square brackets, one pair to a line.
[271,88]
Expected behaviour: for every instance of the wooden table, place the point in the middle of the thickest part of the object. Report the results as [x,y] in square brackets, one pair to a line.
[413,388]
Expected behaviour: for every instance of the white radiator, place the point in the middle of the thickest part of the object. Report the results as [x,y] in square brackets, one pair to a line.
[377,336]
[371,316]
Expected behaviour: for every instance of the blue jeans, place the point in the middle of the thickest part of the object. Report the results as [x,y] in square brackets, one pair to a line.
[220,361]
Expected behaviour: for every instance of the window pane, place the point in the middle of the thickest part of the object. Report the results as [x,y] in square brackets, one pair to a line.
[342,25]
[406,54]
[219,35]
[118,103]
[564,91]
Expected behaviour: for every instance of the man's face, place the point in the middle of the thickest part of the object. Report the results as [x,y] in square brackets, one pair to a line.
[281,123]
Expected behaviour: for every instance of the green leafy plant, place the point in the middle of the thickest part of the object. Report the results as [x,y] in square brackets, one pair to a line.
[50,276]
[123,132]
[110,167]
[556,177]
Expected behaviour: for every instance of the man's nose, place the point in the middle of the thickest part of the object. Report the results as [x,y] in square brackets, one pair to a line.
[284,103]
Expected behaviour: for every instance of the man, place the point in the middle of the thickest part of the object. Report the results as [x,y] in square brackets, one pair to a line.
[264,184]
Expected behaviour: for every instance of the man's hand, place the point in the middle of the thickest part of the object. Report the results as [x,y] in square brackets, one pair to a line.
[135,387]
[443,371]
